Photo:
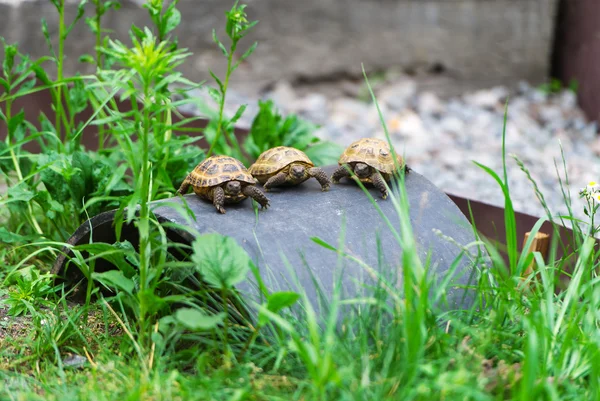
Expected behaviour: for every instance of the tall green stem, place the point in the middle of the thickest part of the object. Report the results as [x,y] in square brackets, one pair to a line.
[144,219]
[59,68]
[222,107]
[99,63]
[13,156]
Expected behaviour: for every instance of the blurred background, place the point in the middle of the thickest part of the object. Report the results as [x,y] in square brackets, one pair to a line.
[442,71]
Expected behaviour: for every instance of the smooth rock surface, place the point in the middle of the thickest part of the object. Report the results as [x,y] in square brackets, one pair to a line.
[289,260]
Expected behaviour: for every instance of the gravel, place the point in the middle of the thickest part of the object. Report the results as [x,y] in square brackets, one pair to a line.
[441,138]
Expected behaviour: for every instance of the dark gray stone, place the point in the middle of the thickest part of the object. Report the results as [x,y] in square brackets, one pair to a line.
[284,232]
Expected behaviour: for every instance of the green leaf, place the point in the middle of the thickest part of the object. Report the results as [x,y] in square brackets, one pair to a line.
[15,121]
[238,114]
[5,85]
[5,163]
[115,279]
[276,302]
[215,95]
[7,237]
[26,87]
[10,52]
[194,319]
[78,96]
[220,260]
[324,153]
[46,34]
[86,58]
[245,55]
[137,32]
[48,205]
[324,244]
[117,254]
[81,183]
[218,42]
[212,74]
[20,192]
[80,12]
[173,19]
[114,4]
[93,24]
[41,74]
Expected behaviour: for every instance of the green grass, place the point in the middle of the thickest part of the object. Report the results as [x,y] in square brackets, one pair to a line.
[159,328]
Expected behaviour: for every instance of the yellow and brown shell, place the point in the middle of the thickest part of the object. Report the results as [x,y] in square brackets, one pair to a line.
[373,152]
[217,170]
[275,160]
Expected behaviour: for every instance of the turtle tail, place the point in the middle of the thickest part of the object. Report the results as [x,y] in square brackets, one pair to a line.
[185,185]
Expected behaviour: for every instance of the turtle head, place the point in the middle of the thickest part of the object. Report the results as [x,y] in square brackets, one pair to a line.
[233,188]
[297,171]
[362,170]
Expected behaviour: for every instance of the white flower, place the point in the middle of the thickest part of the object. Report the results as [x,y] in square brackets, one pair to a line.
[593,187]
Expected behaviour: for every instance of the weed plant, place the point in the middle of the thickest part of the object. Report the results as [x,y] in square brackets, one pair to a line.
[157,327]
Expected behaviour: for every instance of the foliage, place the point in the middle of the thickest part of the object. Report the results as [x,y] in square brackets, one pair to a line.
[270,129]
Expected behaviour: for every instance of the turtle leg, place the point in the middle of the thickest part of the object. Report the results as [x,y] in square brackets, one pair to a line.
[320,175]
[340,173]
[379,183]
[256,194]
[218,196]
[275,181]
[185,185]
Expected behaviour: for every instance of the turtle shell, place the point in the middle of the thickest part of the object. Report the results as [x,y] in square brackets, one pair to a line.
[373,152]
[217,170]
[272,161]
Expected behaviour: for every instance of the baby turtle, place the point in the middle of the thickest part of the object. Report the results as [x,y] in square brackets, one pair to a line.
[223,179]
[286,166]
[371,161]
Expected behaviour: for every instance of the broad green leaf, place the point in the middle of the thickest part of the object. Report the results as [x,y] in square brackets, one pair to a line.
[55,176]
[115,279]
[78,97]
[49,205]
[220,260]
[194,319]
[324,153]
[118,256]
[20,192]
[276,302]
[7,237]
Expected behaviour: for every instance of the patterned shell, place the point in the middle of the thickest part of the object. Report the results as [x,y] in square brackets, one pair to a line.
[219,169]
[274,159]
[373,152]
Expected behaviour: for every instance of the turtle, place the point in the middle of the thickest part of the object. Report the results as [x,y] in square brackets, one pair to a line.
[371,161]
[284,165]
[223,179]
